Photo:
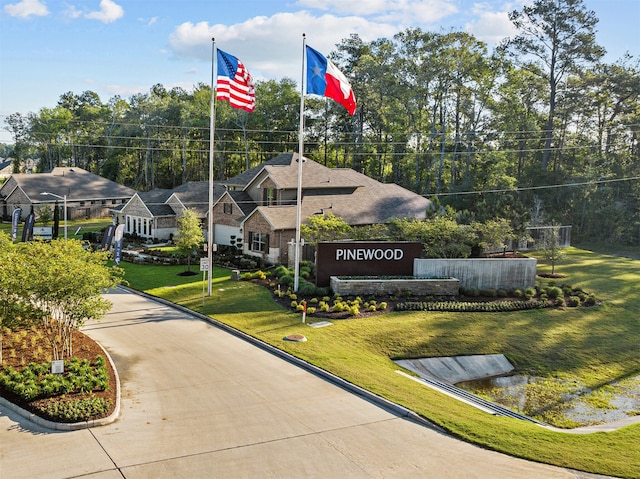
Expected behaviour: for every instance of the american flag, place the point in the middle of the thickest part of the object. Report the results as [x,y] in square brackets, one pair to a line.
[235,84]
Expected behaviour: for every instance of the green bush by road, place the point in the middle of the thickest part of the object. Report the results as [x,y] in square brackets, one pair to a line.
[596,346]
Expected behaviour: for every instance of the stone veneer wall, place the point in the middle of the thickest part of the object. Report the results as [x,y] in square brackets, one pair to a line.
[417,286]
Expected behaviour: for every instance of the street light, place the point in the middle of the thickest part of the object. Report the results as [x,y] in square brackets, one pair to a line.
[64,199]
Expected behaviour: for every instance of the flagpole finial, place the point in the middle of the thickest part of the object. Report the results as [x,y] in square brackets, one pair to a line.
[304,34]
[213,39]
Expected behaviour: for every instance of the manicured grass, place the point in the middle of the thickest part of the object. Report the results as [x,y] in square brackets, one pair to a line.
[594,345]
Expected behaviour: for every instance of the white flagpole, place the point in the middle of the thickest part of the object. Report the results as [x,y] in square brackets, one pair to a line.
[296,278]
[212,132]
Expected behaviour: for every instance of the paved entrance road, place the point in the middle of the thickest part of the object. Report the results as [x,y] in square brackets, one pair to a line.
[198,402]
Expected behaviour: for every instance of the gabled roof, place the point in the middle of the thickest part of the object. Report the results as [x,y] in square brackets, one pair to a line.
[195,195]
[155,196]
[244,178]
[367,203]
[77,184]
[243,200]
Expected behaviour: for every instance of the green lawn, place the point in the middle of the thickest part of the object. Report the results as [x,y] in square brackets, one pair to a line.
[594,345]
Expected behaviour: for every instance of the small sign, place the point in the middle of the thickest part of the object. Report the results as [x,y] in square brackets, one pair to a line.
[43,232]
[204,264]
[57,366]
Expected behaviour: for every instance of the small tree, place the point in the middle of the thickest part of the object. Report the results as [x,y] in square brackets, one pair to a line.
[44,215]
[550,245]
[59,283]
[189,235]
[325,227]
[495,234]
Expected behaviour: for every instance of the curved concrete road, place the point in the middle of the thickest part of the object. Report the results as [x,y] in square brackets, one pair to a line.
[198,402]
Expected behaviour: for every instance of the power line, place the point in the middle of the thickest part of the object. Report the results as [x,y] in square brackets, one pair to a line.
[528,188]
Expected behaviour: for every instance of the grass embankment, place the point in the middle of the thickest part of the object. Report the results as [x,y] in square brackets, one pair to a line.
[593,345]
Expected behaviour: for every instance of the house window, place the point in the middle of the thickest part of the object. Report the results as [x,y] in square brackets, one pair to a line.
[259,242]
[228,208]
[268,196]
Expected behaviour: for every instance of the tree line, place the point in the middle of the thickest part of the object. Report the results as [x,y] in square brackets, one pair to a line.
[539,130]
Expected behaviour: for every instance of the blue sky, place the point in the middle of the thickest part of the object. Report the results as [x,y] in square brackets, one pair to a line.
[123,47]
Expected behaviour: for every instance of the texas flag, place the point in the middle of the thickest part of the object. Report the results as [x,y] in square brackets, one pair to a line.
[323,78]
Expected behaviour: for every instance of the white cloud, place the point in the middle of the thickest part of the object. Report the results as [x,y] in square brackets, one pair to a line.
[72,12]
[490,26]
[408,12]
[271,47]
[109,12]
[26,9]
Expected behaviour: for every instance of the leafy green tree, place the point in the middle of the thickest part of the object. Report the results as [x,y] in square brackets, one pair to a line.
[44,214]
[441,237]
[555,38]
[550,246]
[59,283]
[189,236]
[494,234]
[326,227]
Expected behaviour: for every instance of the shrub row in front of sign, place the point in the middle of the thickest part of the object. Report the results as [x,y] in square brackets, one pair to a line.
[470,307]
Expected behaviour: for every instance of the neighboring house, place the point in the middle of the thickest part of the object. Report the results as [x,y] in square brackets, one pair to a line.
[154,214]
[6,167]
[256,210]
[262,213]
[87,195]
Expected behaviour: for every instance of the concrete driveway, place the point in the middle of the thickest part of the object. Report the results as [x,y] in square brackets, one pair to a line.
[198,402]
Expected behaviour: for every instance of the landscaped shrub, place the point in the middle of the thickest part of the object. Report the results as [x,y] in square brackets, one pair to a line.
[306,289]
[280,271]
[488,293]
[79,410]
[573,302]
[470,306]
[529,292]
[591,300]
[554,292]
[286,280]
[36,381]
[501,293]
[339,307]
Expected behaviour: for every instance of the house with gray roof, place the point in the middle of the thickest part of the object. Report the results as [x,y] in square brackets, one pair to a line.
[259,216]
[256,210]
[6,167]
[87,195]
[153,215]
